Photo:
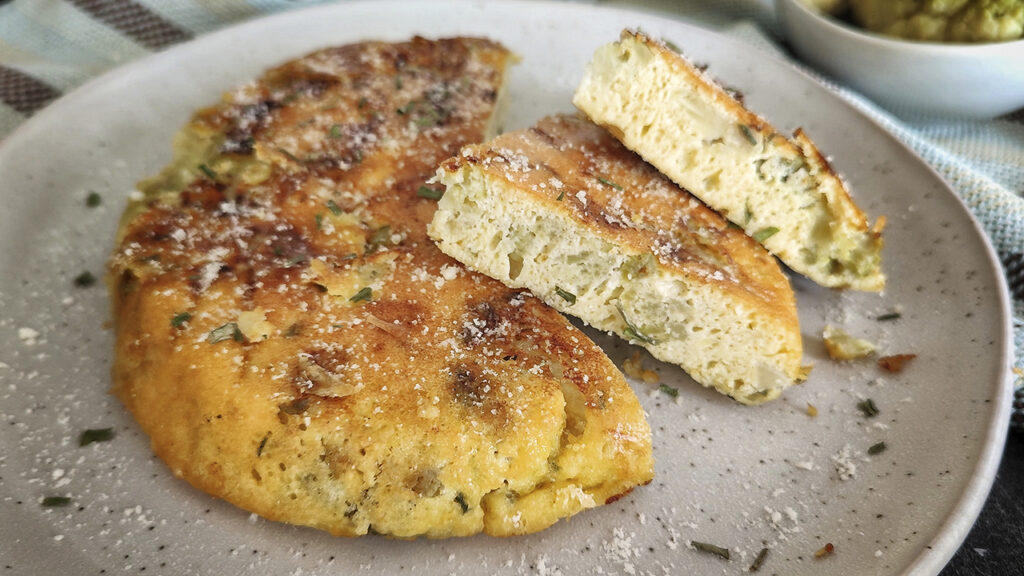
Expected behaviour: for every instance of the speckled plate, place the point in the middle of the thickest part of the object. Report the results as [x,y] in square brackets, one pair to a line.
[742,478]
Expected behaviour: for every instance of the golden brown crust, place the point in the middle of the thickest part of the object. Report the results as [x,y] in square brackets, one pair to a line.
[293,343]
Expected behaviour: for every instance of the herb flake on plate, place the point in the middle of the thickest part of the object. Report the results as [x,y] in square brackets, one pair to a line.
[95,435]
[84,280]
[759,561]
[868,408]
[710,549]
[55,501]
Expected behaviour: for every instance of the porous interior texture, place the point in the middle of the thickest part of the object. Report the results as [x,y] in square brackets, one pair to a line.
[292,341]
[564,210]
[781,191]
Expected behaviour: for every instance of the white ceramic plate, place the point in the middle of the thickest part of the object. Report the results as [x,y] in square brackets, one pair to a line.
[742,478]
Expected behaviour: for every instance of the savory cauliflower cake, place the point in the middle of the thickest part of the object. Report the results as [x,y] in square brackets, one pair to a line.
[781,191]
[565,210]
[292,341]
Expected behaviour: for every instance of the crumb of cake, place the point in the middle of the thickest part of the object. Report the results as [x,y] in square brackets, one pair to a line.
[842,346]
[896,362]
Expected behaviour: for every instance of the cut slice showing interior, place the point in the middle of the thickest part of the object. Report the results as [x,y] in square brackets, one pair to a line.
[565,210]
[781,191]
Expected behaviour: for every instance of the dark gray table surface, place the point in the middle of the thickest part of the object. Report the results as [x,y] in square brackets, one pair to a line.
[995,545]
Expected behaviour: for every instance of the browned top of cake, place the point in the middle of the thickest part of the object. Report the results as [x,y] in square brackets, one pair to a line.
[292,341]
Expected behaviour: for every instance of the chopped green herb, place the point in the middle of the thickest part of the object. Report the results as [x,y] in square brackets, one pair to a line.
[227,331]
[425,192]
[765,233]
[95,435]
[55,501]
[208,171]
[334,208]
[567,296]
[608,182]
[748,134]
[632,332]
[889,316]
[179,319]
[350,256]
[381,235]
[93,200]
[868,408]
[759,560]
[398,82]
[364,295]
[335,132]
[362,103]
[263,444]
[877,449]
[288,154]
[666,389]
[759,169]
[319,218]
[85,279]
[296,260]
[427,120]
[460,499]
[711,549]
[794,168]
[427,112]
[560,196]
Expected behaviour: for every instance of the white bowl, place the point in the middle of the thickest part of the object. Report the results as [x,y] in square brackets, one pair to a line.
[966,80]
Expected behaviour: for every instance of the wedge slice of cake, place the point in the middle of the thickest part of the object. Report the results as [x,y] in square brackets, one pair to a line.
[567,211]
[292,342]
[780,190]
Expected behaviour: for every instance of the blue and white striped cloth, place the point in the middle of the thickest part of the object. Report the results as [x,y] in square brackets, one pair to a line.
[48,47]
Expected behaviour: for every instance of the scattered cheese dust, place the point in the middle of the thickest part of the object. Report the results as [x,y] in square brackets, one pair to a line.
[843,464]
